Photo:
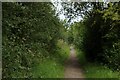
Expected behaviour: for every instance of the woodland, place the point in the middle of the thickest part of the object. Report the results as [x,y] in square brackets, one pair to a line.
[36,42]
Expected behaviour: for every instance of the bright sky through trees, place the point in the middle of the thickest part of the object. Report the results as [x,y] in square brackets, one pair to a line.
[60,11]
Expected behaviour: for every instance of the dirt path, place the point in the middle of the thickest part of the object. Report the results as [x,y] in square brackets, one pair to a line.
[72,66]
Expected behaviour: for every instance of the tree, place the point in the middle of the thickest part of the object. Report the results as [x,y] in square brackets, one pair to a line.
[30,33]
[100,39]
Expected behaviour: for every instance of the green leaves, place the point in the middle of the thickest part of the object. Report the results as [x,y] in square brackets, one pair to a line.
[98,33]
[30,34]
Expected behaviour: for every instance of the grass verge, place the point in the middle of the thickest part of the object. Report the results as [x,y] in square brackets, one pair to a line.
[53,66]
[95,70]
[81,57]
[48,69]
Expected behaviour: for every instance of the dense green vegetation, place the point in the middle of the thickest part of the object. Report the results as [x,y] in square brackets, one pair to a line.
[52,68]
[32,41]
[35,41]
[95,70]
[97,36]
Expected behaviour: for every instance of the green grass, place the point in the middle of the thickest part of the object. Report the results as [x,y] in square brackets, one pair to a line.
[63,51]
[48,69]
[43,64]
[95,70]
[81,57]
[53,66]
[99,71]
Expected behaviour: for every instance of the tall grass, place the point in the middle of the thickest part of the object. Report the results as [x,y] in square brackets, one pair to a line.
[62,51]
[34,61]
[95,70]
[81,57]
[48,69]
[52,67]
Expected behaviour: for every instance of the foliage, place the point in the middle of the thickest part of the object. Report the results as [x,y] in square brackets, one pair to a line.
[70,36]
[102,41]
[55,62]
[42,70]
[30,35]
[98,33]
[63,51]
[82,58]
[110,35]
[98,71]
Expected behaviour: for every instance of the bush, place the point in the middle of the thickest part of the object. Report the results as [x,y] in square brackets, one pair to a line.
[30,34]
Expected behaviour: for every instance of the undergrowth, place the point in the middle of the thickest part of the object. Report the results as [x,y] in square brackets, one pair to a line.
[53,66]
[95,70]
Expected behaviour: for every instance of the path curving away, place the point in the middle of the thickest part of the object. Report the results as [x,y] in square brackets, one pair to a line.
[72,66]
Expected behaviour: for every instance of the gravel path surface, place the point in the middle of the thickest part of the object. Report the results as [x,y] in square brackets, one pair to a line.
[72,66]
